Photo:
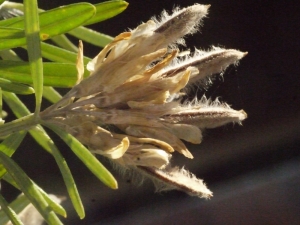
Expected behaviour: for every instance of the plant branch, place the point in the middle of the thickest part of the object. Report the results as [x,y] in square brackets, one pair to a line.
[24,123]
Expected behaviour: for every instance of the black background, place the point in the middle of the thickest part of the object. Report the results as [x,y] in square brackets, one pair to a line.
[253,169]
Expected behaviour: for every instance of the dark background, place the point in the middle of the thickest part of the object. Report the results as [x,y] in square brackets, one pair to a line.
[253,169]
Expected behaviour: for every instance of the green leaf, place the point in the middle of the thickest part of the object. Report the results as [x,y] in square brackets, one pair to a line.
[67,176]
[91,36]
[56,207]
[10,145]
[1,108]
[11,33]
[91,162]
[63,42]
[32,33]
[17,206]
[9,54]
[17,88]
[29,189]
[57,54]
[106,10]
[36,134]
[12,21]
[16,105]
[55,74]
[2,171]
[11,215]
[60,20]
[42,137]
[12,142]
[53,22]
[51,94]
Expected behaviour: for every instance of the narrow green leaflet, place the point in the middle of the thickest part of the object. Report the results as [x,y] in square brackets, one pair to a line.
[11,33]
[11,21]
[10,145]
[63,42]
[106,10]
[91,162]
[1,107]
[15,104]
[17,206]
[68,178]
[29,189]
[17,88]
[32,33]
[91,36]
[51,94]
[57,54]
[36,134]
[43,139]
[56,207]
[11,215]
[12,142]
[53,22]
[9,54]
[2,171]
[55,74]
[60,20]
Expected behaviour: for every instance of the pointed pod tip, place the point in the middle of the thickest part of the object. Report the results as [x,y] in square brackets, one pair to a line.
[200,8]
[207,6]
[235,53]
[243,115]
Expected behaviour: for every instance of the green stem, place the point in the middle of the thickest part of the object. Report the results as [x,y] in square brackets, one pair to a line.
[24,123]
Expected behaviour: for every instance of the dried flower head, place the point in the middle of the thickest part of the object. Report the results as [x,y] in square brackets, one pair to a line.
[130,108]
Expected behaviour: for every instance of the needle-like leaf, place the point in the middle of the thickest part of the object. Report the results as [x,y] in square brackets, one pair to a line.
[52,22]
[11,214]
[55,74]
[29,189]
[32,33]
[91,162]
